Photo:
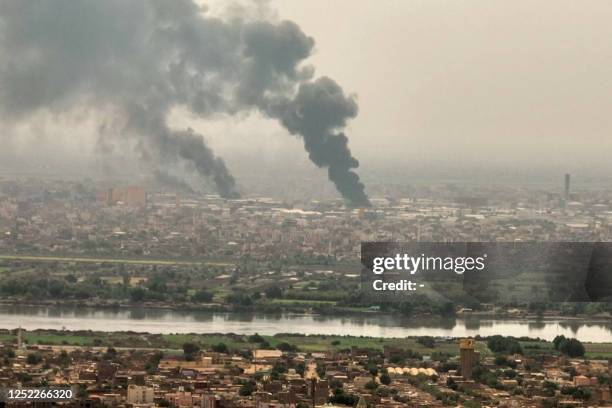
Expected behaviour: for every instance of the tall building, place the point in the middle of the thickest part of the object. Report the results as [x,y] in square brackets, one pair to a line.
[566,193]
[467,357]
[319,391]
[209,401]
[138,394]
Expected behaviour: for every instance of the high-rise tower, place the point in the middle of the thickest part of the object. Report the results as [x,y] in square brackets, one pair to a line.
[467,357]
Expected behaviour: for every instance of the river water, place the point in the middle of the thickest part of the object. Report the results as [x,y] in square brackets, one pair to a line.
[165,321]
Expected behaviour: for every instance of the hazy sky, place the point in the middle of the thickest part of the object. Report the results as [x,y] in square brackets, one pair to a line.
[525,84]
[512,80]
[516,82]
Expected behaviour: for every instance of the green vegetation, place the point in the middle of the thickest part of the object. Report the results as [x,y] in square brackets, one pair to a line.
[579,393]
[569,347]
[287,342]
[340,397]
[266,285]
[385,379]
[247,388]
[502,344]
[190,350]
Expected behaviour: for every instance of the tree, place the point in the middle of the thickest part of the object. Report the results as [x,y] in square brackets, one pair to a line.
[64,359]
[501,344]
[549,387]
[153,362]
[373,369]
[137,294]
[335,383]
[56,288]
[247,388]
[501,361]
[510,374]
[287,347]
[577,392]
[557,341]
[70,278]
[572,348]
[202,296]
[190,350]
[447,309]
[239,299]
[34,358]
[371,385]
[256,338]
[274,292]
[385,378]
[220,348]
[340,397]
[427,341]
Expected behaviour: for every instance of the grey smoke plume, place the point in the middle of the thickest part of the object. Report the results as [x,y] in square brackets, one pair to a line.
[132,62]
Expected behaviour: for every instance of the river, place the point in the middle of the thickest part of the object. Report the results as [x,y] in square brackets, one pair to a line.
[166,321]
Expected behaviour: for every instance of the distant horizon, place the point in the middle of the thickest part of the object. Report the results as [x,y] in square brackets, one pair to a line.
[483,92]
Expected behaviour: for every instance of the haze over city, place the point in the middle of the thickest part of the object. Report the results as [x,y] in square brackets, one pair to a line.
[305,203]
[468,92]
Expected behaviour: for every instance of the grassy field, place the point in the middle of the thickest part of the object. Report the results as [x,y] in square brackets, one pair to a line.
[325,343]
[598,350]
[48,338]
[317,343]
[236,342]
[593,350]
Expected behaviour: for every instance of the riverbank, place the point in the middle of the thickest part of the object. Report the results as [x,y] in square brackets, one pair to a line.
[236,342]
[162,321]
[321,308]
[62,280]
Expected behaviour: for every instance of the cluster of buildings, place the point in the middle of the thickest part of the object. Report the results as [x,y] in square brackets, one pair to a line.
[275,379]
[55,216]
[131,196]
[43,217]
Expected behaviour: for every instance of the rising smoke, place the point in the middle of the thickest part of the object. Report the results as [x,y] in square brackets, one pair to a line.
[132,62]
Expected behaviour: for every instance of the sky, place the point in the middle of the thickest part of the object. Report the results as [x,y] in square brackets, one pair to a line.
[521,86]
[510,81]
[525,85]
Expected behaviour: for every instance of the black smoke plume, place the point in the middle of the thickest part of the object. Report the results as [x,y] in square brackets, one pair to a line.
[132,62]
[316,113]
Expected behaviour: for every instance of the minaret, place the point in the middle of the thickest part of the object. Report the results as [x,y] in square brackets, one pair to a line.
[466,357]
